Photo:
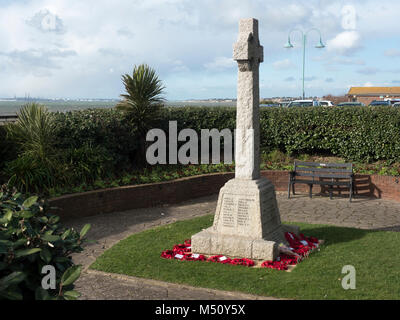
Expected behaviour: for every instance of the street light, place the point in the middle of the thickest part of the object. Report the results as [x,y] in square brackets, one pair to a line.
[320,45]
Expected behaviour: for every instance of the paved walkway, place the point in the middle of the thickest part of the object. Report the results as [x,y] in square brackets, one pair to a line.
[108,229]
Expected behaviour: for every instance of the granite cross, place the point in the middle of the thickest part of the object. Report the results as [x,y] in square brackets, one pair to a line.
[248,53]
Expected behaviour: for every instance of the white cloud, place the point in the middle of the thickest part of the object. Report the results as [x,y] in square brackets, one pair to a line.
[183,40]
[283,64]
[347,61]
[368,70]
[46,21]
[368,84]
[392,53]
[345,42]
[220,63]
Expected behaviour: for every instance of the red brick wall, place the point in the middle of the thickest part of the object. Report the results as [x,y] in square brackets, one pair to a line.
[142,196]
[369,99]
[138,196]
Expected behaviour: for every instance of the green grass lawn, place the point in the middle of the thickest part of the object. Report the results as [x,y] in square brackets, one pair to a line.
[374,254]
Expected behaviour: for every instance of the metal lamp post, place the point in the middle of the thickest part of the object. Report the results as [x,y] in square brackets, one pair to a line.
[320,45]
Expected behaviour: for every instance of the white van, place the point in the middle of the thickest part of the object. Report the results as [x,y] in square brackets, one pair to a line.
[325,103]
[303,103]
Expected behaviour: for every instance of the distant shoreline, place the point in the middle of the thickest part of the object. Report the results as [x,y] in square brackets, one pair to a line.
[12,106]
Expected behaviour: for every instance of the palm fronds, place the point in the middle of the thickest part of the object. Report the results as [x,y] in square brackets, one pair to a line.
[33,131]
[143,99]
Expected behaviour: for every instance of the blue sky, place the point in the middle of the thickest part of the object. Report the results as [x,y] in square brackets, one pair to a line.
[80,49]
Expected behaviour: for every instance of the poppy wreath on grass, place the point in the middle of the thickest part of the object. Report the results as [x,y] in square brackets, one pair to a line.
[300,246]
[182,252]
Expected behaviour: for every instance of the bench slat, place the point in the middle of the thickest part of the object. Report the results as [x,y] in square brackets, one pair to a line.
[334,183]
[322,164]
[324,170]
[323,175]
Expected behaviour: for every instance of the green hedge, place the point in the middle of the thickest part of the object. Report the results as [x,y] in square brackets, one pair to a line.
[7,149]
[361,134]
[355,133]
[107,129]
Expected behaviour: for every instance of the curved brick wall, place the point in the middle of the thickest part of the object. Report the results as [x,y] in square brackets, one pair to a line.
[148,195]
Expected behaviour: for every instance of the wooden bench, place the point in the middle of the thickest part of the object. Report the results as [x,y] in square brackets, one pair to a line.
[328,174]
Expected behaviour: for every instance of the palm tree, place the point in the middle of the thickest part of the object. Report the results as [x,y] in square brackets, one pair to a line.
[33,133]
[143,101]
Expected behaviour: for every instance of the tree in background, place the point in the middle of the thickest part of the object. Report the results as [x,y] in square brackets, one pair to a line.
[335,99]
[142,102]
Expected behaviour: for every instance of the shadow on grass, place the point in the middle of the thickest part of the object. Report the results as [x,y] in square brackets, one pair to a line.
[391,228]
[333,234]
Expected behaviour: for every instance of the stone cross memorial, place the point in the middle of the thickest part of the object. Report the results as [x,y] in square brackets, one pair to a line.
[247,223]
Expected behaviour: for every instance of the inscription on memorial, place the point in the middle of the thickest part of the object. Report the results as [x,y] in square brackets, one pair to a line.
[243,217]
[228,208]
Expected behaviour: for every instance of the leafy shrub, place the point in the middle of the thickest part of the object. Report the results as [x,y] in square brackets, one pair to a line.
[33,131]
[36,166]
[7,149]
[198,118]
[31,238]
[86,163]
[65,149]
[29,173]
[93,144]
[106,128]
[354,133]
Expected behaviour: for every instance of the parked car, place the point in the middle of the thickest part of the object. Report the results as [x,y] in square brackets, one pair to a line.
[394,101]
[270,105]
[325,103]
[397,104]
[351,104]
[380,103]
[303,103]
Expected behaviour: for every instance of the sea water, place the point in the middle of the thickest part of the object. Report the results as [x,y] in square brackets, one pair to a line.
[13,106]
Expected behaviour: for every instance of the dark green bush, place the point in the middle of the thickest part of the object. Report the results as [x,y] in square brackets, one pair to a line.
[31,238]
[356,133]
[53,149]
[198,118]
[106,128]
[29,173]
[36,166]
[94,144]
[86,163]
[7,149]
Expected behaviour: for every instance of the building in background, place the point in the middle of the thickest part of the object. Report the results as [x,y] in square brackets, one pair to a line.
[367,94]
